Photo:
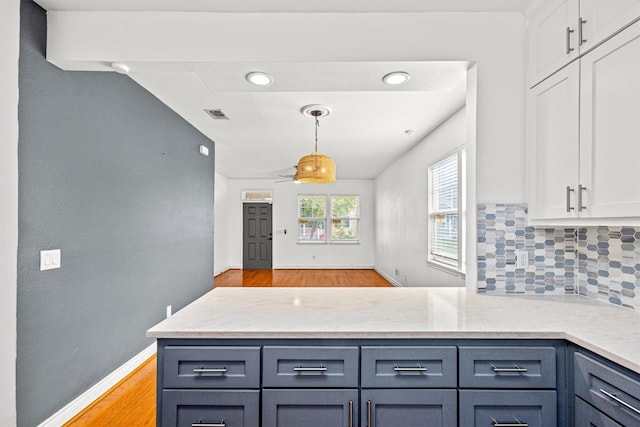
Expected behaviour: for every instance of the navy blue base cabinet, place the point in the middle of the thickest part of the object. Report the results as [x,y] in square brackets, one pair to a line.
[364,383]
[606,395]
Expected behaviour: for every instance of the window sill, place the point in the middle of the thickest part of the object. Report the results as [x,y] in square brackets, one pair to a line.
[333,242]
[446,269]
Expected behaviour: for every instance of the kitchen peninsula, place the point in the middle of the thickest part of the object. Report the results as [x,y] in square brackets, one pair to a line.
[358,355]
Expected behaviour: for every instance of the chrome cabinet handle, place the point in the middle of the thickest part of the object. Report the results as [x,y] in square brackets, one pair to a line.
[199,424]
[518,424]
[516,368]
[581,39]
[210,370]
[368,413]
[620,401]
[351,413]
[409,369]
[580,190]
[569,207]
[311,369]
[509,424]
[569,48]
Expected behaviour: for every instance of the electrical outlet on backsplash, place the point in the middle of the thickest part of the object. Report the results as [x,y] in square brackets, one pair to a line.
[596,262]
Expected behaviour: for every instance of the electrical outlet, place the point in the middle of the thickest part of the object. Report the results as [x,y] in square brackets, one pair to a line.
[522,259]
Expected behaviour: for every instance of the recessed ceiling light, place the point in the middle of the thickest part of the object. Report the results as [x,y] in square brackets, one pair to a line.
[259,79]
[121,68]
[396,78]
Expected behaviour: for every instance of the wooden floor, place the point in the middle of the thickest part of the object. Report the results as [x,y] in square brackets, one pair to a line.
[132,402]
[300,278]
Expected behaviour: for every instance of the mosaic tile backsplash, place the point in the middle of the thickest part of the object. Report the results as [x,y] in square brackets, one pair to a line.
[597,262]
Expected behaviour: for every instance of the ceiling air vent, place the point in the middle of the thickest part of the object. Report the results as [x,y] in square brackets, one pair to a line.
[217,114]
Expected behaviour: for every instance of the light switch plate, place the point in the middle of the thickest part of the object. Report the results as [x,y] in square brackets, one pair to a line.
[49,259]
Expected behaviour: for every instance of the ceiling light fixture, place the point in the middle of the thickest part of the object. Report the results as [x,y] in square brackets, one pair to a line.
[315,168]
[120,68]
[259,79]
[396,78]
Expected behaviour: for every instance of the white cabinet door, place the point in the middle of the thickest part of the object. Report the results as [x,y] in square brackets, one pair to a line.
[610,127]
[603,18]
[553,108]
[553,40]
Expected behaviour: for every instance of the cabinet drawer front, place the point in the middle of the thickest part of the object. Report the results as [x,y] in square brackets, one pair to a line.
[211,367]
[489,408]
[507,367]
[612,392]
[409,408]
[409,367]
[190,408]
[587,415]
[310,366]
[309,408]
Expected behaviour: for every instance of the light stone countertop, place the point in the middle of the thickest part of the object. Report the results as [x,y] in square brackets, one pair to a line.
[610,331]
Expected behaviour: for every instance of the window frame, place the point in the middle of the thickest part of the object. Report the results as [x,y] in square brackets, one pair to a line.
[327,219]
[457,266]
[340,218]
[322,218]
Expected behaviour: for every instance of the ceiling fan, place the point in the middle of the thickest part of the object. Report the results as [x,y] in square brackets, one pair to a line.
[288,177]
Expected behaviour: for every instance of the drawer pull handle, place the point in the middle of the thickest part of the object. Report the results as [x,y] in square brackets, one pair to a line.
[210,370]
[351,413]
[516,368]
[409,369]
[368,413]
[516,424]
[620,401]
[310,369]
[201,424]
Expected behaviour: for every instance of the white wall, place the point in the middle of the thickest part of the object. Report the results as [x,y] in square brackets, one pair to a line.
[401,209]
[221,225]
[287,252]
[10,36]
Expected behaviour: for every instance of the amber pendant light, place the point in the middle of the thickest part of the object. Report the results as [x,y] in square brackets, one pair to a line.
[315,168]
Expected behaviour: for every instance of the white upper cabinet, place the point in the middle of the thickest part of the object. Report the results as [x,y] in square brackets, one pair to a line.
[610,127]
[583,138]
[553,117]
[603,18]
[562,30]
[552,38]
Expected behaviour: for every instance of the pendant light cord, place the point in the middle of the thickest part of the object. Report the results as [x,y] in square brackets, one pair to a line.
[317,126]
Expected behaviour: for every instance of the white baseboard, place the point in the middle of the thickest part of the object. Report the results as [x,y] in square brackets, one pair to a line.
[222,270]
[323,267]
[388,278]
[88,397]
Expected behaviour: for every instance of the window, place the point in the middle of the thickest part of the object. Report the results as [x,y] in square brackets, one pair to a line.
[313,217]
[446,213]
[344,218]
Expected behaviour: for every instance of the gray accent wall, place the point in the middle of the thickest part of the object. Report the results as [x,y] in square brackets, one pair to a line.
[113,178]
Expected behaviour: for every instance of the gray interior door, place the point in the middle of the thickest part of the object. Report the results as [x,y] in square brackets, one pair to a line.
[257,235]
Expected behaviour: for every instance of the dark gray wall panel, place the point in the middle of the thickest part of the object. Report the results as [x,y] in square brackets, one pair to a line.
[113,178]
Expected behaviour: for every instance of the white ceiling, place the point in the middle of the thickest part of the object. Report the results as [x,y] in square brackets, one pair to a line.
[290,5]
[266,133]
